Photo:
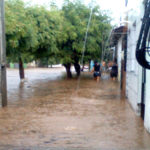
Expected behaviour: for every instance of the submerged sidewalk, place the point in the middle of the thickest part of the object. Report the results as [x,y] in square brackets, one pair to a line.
[59,116]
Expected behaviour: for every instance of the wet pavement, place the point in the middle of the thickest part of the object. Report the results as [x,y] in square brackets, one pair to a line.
[49,112]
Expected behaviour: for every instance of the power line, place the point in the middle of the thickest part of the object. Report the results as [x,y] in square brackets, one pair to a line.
[85,40]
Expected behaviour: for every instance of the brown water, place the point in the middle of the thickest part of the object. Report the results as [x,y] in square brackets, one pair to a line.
[45,113]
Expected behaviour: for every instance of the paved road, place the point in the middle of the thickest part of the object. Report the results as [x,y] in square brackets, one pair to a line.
[56,115]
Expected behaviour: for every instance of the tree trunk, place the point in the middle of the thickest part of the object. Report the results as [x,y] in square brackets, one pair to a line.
[68,70]
[77,69]
[21,69]
[76,63]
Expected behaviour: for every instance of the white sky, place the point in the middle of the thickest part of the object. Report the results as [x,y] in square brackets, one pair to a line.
[115,6]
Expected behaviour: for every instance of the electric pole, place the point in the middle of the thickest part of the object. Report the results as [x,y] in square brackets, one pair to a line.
[3,83]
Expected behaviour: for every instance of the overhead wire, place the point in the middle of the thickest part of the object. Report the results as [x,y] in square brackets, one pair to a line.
[85,41]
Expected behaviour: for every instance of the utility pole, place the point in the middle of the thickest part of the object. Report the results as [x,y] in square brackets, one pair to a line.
[3,83]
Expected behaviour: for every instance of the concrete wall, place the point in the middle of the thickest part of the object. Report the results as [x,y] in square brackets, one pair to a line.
[134,70]
[119,55]
[147,101]
[134,80]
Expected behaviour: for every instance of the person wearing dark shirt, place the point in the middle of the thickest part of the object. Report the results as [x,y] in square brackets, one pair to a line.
[114,71]
[96,71]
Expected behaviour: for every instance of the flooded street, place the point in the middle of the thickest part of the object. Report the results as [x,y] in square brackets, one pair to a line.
[47,112]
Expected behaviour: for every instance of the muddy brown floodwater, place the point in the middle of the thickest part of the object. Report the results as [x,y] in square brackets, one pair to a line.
[48,113]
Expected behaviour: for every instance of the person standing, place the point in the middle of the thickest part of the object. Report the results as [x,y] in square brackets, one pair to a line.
[96,71]
[103,67]
[114,70]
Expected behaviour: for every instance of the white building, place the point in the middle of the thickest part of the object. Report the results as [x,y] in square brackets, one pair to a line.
[138,78]
[134,70]
[134,79]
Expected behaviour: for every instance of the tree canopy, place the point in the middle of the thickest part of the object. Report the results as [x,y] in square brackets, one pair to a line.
[35,33]
[21,31]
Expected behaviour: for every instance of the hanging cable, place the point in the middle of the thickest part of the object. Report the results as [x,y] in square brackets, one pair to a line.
[86,34]
[85,40]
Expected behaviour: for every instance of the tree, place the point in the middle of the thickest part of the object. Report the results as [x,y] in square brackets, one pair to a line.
[31,33]
[48,23]
[76,16]
[21,33]
[37,33]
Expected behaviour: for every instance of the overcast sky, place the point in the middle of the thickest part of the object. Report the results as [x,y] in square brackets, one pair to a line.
[115,6]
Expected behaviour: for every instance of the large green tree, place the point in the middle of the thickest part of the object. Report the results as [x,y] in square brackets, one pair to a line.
[76,17]
[47,23]
[21,33]
[37,33]
[31,33]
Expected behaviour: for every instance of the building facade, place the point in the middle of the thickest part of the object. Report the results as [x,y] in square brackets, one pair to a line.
[134,79]
[134,70]
[138,78]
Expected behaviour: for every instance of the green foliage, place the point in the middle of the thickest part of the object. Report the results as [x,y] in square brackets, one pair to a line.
[21,31]
[35,33]
[76,16]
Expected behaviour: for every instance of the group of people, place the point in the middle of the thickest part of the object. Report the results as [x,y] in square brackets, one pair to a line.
[98,69]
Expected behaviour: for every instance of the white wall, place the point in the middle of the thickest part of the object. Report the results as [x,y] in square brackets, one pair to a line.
[147,101]
[119,55]
[147,98]
[134,70]
[134,73]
